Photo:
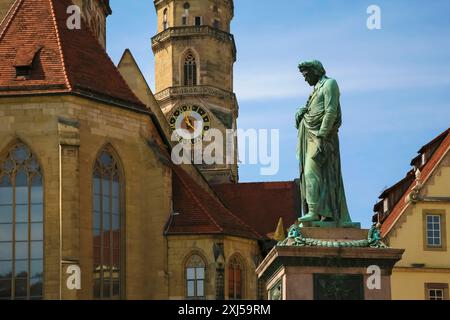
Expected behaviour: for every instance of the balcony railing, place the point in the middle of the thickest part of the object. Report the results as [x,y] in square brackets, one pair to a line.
[194,91]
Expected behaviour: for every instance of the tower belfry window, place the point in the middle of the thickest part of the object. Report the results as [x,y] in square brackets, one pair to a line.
[190,70]
[198,21]
[165,20]
[184,18]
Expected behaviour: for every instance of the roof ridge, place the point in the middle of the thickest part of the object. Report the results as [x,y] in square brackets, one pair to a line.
[58,40]
[15,6]
[431,166]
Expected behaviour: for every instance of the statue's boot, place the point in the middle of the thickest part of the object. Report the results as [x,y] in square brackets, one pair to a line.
[310,217]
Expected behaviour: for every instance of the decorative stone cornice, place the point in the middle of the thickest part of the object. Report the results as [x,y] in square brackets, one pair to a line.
[175,33]
[177,92]
[281,257]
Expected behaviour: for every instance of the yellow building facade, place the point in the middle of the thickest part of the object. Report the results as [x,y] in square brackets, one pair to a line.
[418,220]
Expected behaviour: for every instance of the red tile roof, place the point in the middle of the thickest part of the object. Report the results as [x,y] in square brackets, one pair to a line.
[201,213]
[261,205]
[426,173]
[69,61]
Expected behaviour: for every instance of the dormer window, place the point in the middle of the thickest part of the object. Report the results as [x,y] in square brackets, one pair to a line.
[385,205]
[23,71]
[25,58]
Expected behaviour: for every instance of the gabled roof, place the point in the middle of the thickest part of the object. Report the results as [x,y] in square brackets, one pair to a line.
[201,213]
[261,205]
[426,173]
[132,74]
[68,60]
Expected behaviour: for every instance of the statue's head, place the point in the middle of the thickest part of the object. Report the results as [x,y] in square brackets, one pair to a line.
[313,71]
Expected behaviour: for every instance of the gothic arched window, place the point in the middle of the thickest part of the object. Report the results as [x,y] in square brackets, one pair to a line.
[195,277]
[21,225]
[108,226]
[190,70]
[235,278]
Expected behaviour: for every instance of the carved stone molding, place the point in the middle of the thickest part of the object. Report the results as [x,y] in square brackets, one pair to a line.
[176,92]
[192,31]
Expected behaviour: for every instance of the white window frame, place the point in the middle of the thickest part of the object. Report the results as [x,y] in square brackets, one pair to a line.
[433,229]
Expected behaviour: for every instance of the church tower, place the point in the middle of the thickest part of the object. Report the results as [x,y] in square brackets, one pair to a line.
[194,57]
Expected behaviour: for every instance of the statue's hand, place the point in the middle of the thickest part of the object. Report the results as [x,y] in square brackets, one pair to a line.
[319,156]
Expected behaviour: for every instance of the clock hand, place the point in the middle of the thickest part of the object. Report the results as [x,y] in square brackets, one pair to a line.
[187,121]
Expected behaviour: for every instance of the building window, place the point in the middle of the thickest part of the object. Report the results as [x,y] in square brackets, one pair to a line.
[235,279]
[436,291]
[23,71]
[435,294]
[21,225]
[108,226]
[424,159]
[385,205]
[165,20]
[190,70]
[434,238]
[434,232]
[198,21]
[195,277]
[216,24]
[184,20]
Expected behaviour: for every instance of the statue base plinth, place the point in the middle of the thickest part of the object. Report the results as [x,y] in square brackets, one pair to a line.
[329,272]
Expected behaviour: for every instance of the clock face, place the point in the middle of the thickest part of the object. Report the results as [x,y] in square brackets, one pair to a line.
[190,123]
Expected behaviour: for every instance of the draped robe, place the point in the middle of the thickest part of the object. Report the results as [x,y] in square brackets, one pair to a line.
[321,183]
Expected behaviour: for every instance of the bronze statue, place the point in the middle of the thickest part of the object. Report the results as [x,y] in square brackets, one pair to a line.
[321,184]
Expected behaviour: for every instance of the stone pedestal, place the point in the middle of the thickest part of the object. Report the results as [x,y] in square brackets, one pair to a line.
[329,273]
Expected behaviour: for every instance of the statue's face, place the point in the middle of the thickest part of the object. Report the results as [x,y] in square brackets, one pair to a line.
[310,77]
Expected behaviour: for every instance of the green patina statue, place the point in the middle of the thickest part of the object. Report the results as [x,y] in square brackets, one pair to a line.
[321,184]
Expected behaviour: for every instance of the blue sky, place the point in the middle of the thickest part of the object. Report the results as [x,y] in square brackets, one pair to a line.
[395,82]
